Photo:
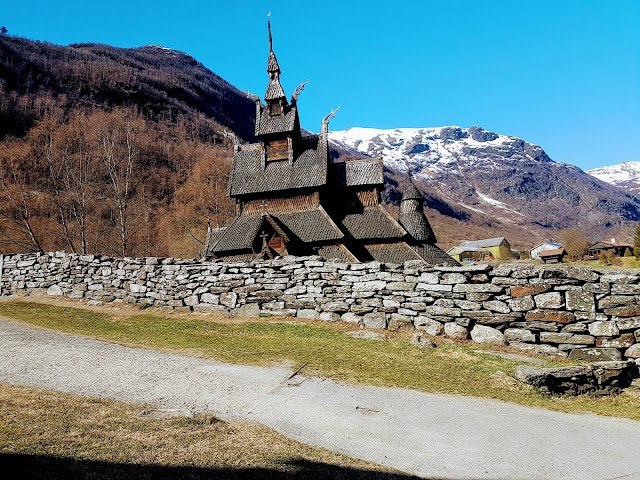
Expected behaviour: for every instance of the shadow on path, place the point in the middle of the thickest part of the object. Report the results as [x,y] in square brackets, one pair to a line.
[41,467]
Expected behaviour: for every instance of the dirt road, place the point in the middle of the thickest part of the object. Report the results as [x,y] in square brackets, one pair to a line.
[438,436]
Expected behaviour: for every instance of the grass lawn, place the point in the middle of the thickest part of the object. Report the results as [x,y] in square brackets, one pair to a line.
[625,263]
[61,436]
[323,349]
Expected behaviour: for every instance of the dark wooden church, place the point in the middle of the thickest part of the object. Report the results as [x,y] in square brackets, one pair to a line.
[291,199]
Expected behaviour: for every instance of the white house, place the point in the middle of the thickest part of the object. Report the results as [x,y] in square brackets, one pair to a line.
[535,251]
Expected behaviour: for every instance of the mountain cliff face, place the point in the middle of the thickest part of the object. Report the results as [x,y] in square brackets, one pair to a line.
[471,173]
[625,175]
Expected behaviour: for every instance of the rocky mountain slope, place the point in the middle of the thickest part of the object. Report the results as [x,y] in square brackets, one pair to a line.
[625,175]
[486,178]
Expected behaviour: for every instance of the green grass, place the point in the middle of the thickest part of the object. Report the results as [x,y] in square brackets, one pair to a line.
[323,349]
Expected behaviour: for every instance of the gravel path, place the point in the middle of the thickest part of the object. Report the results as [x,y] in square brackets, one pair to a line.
[424,434]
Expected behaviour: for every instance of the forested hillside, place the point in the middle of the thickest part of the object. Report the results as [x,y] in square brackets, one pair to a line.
[113,151]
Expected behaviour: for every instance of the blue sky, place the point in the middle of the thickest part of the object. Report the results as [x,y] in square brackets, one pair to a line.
[562,74]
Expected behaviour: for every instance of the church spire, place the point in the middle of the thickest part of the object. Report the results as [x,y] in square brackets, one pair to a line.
[274,89]
[269,28]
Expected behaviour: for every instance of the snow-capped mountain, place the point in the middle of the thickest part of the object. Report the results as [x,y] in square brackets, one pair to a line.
[625,175]
[471,172]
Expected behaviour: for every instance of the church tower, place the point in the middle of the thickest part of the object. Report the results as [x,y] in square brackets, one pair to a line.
[277,122]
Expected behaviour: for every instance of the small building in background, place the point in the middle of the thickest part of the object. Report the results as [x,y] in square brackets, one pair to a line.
[552,256]
[605,246]
[470,254]
[488,249]
[535,251]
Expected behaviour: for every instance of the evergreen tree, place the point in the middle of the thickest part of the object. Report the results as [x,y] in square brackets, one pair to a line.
[636,243]
[627,252]
[3,30]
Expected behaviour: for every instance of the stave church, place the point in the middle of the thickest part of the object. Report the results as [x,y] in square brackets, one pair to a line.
[292,199]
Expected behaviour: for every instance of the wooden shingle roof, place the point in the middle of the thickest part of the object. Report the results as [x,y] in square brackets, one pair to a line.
[397,252]
[417,225]
[357,172]
[309,169]
[410,192]
[266,125]
[239,235]
[434,255]
[372,223]
[310,225]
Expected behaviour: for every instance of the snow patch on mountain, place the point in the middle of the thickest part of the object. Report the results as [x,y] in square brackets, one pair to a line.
[616,174]
[420,150]
[497,203]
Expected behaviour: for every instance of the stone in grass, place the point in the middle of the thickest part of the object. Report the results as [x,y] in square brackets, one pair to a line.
[308,313]
[367,335]
[351,317]
[54,290]
[421,341]
[375,320]
[455,331]
[537,376]
[484,334]
[248,310]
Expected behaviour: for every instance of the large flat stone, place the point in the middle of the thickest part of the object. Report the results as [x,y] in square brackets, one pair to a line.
[604,329]
[550,316]
[375,320]
[521,304]
[626,311]
[583,301]
[595,354]
[549,300]
[528,290]
[477,288]
[519,335]
[633,351]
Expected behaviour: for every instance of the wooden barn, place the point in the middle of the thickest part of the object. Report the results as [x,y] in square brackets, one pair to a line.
[292,200]
[552,256]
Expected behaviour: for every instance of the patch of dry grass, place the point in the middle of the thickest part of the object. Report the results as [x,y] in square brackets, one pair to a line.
[67,436]
[324,350]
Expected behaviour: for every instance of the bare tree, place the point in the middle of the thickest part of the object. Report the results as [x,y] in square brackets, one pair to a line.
[120,154]
[18,205]
[575,243]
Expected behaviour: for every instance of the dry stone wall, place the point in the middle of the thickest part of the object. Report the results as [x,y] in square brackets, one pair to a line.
[585,314]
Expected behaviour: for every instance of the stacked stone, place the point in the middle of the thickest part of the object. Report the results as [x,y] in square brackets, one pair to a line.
[586,314]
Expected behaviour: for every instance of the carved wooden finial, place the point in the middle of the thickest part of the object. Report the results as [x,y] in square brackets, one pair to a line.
[298,90]
[325,120]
